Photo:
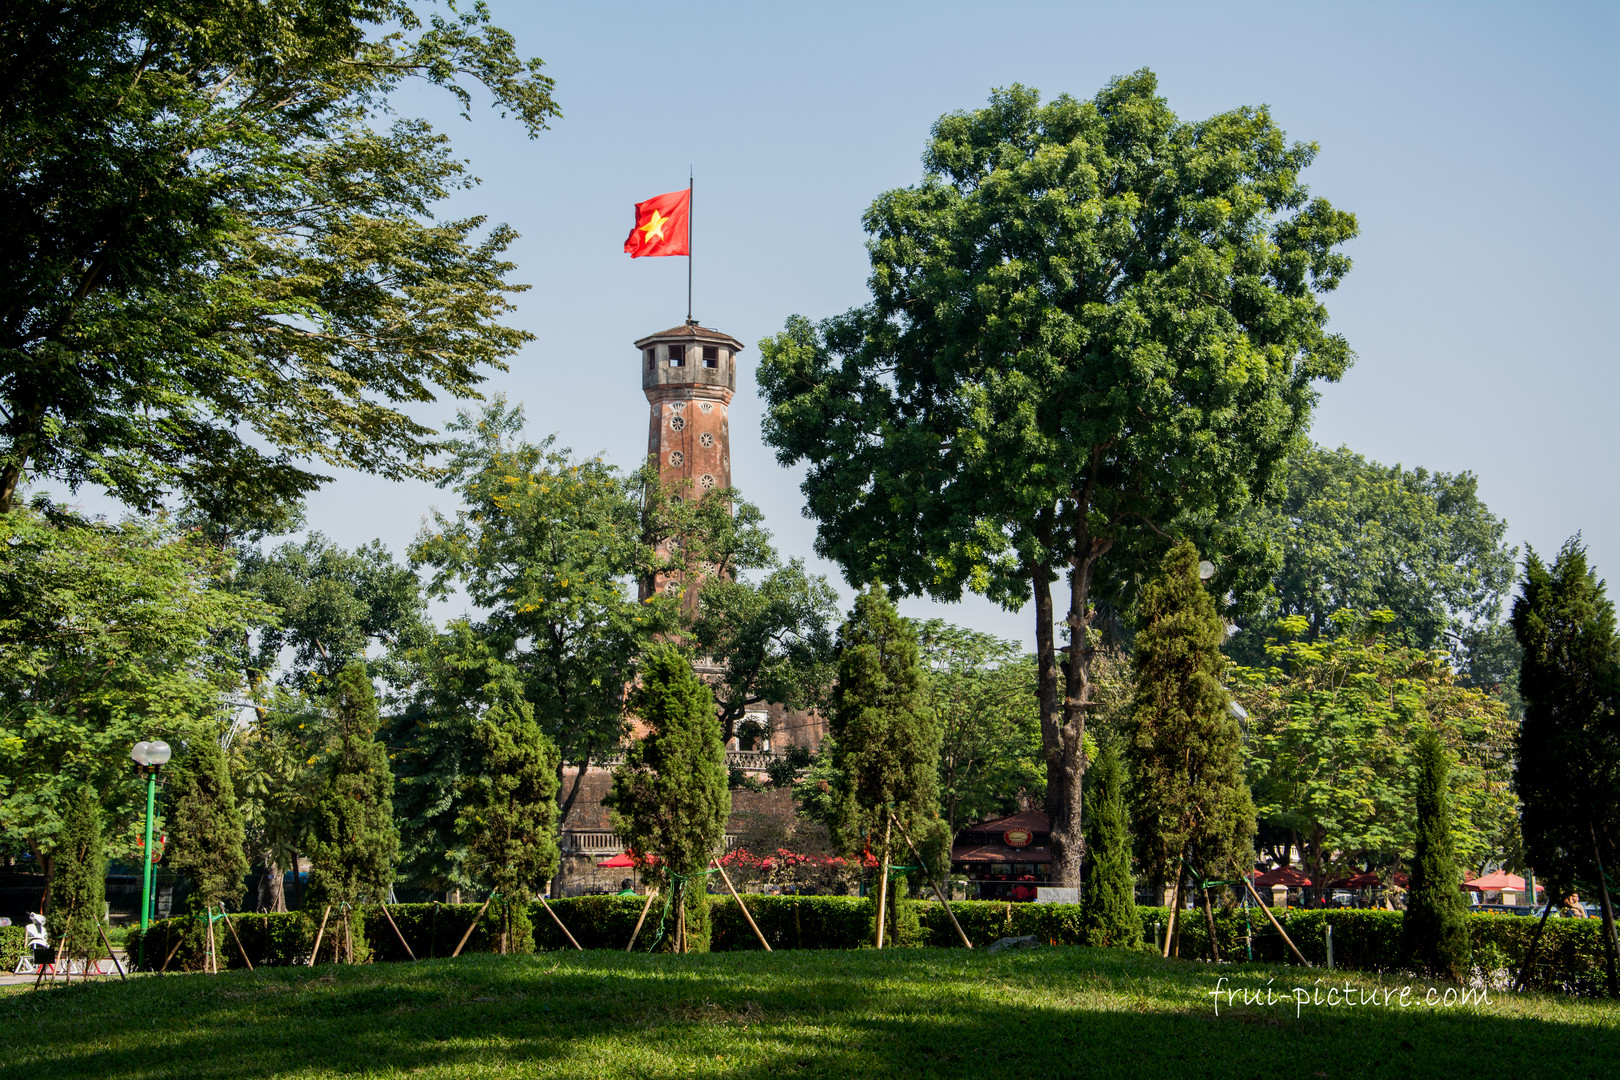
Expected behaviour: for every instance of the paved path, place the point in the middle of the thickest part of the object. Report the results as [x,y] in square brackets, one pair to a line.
[9,979]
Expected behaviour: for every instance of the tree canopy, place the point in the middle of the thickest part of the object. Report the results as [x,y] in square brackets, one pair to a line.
[223,259]
[1093,325]
[1348,534]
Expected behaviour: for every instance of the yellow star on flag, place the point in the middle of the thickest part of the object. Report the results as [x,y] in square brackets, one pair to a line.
[655,228]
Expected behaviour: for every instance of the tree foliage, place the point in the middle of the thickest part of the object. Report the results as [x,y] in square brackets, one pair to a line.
[206,834]
[1333,725]
[109,634]
[1348,534]
[1434,935]
[1092,324]
[1189,797]
[1568,771]
[223,252]
[1108,897]
[885,738]
[508,813]
[78,887]
[353,840]
[982,694]
[671,799]
[552,548]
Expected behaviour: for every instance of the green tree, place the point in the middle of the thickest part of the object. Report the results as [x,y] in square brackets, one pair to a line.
[1189,798]
[670,799]
[1568,773]
[1108,899]
[353,840]
[77,892]
[508,815]
[109,634]
[224,257]
[330,606]
[885,738]
[552,548]
[206,834]
[272,763]
[1348,534]
[1332,730]
[1434,930]
[1093,324]
[982,693]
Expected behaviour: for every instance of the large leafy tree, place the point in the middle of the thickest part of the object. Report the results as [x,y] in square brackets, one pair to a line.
[1093,324]
[553,548]
[221,254]
[109,634]
[1332,730]
[981,690]
[1348,534]
[671,798]
[1188,792]
[1569,744]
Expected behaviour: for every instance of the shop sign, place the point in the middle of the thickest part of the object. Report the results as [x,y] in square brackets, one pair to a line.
[1017,838]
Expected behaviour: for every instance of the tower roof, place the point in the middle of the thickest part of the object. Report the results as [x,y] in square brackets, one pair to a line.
[693,332]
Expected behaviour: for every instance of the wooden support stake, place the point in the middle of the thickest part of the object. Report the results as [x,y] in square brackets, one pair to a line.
[1535,943]
[559,923]
[644,909]
[929,875]
[472,927]
[1250,886]
[174,949]
[316,951]
[725,877]
[397,934]
[235,937]
[883,886]
[110,954]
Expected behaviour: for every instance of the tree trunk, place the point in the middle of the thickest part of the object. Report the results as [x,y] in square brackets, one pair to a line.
[273,887]
[1209,915]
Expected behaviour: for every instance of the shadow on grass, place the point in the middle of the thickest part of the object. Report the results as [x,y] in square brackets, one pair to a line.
[947,1013]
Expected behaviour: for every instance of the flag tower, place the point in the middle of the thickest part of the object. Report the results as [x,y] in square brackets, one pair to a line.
[689,374]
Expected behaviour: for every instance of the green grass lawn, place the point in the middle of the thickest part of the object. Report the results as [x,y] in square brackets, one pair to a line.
[923,1012]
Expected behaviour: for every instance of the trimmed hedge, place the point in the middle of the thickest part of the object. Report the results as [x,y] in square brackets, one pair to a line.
[1570,958]
[11,947]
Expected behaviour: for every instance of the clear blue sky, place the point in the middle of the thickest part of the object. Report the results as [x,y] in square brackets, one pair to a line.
[1476,143]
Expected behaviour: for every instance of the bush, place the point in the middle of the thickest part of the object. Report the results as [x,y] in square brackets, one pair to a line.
[1570,959]
[11,947]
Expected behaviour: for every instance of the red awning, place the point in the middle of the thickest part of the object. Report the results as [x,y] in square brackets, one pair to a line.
[1496,881]
[1283,875]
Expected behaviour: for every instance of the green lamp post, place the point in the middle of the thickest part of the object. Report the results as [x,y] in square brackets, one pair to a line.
[149,757]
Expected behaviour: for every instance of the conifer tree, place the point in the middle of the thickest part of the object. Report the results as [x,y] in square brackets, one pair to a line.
[671,797]
[353,840]
[1434,930]
[508,818]
[1568,773]
[207,840]
[885,739]
[1108,897]
[1189,798]
[78,887]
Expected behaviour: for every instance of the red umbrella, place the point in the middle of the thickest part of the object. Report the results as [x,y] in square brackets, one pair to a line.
[1367,879]
[1283,875]
[1496,881]
[626,860]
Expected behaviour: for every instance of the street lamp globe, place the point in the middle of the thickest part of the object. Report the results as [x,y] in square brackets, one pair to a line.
[139,753]
[157,753]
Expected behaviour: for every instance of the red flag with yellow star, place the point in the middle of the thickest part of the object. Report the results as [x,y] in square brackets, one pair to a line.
[661,225]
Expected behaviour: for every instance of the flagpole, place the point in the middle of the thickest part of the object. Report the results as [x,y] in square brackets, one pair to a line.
[689,194]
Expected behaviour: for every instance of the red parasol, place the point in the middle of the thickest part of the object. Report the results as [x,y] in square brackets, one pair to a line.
[625,860]
[1496,881]
[1283,875]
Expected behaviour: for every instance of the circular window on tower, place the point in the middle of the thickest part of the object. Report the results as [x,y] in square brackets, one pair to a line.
[672,586]
[707,480]
[677,422]
[706,439]
[677,459]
